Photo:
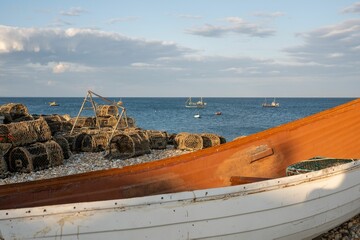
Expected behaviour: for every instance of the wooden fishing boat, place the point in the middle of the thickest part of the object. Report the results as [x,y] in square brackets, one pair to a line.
[238,190]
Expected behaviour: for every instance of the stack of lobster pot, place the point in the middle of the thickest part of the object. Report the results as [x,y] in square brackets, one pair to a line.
[14,112]
[83,122]
[57,123]
[31,146]
[193,141]
[107,115]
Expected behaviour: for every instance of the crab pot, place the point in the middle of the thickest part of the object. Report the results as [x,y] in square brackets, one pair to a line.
[56,127]
[24,133]
[55,153]
[24,118]
[94,142]
[222,139]
[83,122]
[54,118]
[28,158]
[130,122]
[129,145]
[64,144]
[171,138]
[157,139]
[76,142]
[13,111]
[109,121]
[107,110]
[210,140]
[188,141]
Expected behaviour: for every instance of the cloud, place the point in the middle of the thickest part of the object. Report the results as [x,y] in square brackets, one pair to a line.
[82,46]
[355,8]
[67,62]
[236,25]
[74,11]
[63,67]
[336,45]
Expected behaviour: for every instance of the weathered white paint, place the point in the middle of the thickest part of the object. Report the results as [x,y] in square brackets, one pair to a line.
[296,207]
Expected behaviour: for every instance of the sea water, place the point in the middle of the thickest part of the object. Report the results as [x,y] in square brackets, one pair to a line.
[240,116]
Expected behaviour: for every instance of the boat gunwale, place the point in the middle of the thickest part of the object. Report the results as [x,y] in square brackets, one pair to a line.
[201,195]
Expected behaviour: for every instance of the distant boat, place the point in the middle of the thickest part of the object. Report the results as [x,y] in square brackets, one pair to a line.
[199,104]
[272,104]
[197,116]
[53,104]
[218,113]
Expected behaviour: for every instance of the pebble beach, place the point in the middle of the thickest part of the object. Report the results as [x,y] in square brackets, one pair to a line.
[85,162]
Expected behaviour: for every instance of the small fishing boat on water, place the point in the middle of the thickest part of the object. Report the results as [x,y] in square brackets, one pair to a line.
[199,104]
[197,115]
[266,185]
[218,113]
[272,104]
[53,104]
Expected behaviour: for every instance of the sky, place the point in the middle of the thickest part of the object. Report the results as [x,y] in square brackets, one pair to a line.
[180,48]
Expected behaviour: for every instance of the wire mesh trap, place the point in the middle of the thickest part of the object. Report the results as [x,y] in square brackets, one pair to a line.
[188,141]
[127,145]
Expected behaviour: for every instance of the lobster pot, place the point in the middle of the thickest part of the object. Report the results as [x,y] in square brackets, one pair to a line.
[130,123]
[54,118]
[3,168]
[107,110]
[314,164]
[24,118]
[109,121]
[28,158]
[188,141]
[210,140]
[23,133]
[94,142]
[83,122]
[56,127]
[171,138]
[13,111]
[64,144]
[55,153]
[222,139]
[75,142]
[157,139]
[125,146]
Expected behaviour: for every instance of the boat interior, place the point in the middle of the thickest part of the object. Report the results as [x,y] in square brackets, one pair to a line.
[265,155]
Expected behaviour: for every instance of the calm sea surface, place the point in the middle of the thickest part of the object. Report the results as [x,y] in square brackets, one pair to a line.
[240,116]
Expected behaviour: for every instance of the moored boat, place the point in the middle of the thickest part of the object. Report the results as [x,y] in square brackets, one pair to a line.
[272,104]
[199,104]
[53,104]
[238,190]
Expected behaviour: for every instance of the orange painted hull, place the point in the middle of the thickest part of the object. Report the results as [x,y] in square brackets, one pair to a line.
[331,133]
